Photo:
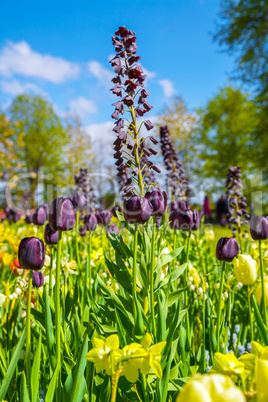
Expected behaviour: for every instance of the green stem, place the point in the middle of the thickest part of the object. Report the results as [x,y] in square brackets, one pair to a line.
[76,241]
[263,298]
[51,271]
[219,308]
[58,313]
[136,152]
[28,330]
[250,314]
[204,333]
[89,273]
[134,284]
[152,281]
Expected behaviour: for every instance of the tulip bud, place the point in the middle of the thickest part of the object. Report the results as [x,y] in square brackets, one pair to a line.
[227,248]
[258,292]
[245,269]
[62,214]
[39,216]
[90,222]
[51,236]
[158,201]
[31,253]
[137,209]
[112,229]
[259,228]
[79,201]
[29,217]
[38,279]
[106,217]
[82,231]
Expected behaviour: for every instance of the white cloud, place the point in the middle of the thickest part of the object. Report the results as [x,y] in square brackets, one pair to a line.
[101,73]
[14,87]
[168,88]
[19,58]
[150,74]
[83,106]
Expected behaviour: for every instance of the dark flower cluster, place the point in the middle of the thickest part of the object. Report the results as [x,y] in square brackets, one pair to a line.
[176,177]
[148,174]
[237,214]
[85,196]
[184,218]
[129,87]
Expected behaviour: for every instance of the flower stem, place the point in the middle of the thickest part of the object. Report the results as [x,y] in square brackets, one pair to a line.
[28,330]
[250,314]
[219,308]
[76,241]
[263,298]
[152,281]
[136,152]
[57,312]
[134,284]
[51,271]
[89,274]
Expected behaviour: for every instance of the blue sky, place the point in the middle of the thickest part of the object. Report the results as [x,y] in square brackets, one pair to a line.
[61,49]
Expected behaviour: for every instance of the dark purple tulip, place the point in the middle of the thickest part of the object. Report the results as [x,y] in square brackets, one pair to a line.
[82,231]
[46,208]
[227,248]
[79,201]
[51,236]
[116,208]
[39,216]
[62,214]
[112,229]
[137,209]
[90,222]
[16,216]
[99,218]
[158,201]
[106,217]
[31,253]
[196,220]
[182,206]
[29,217]
[38,279]
[259,228]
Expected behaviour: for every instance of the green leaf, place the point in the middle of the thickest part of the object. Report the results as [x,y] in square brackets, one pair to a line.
[12,366]
[24,396]
[35,375]
[79,383]
[49,330]
[167,258]
[52,385]
[259,320]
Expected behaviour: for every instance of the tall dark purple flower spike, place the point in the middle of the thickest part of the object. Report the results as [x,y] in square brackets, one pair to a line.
[129,87]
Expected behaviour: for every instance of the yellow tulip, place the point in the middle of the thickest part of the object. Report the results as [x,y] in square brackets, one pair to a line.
[210,388]
[228,364]
[245,269]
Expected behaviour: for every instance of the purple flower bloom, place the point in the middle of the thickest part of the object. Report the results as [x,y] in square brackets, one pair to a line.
[90,222]
[137,209]
[112,229]
[38,279]
[51,236]
[79,201]
[82,231]
[31,253]
[158,201]
[29,217]
[39,216]
[148,124]
[227,249]
[259,228]
[62,214]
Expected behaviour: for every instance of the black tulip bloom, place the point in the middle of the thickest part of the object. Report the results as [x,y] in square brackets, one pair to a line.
[112,229]
[158,201]
[227,249]
[82,231]
[137,209]
[38,279]
[51,236]
[106,217]
[29,217]
[62,214]
[31,253]
[79,201]
[196,220]
[90,222]
[16,216]
[39,216]
[259,228]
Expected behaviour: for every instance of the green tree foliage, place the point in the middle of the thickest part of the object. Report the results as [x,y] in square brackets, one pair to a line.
[226,134]
[44,137]
[244,31]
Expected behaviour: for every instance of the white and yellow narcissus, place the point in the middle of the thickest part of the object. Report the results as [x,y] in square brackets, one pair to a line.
[210,388]
[245,269]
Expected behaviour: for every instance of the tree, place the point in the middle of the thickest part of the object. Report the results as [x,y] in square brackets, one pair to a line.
[44,136]
[226,133]
[79,153]
[244,30]
[181,124]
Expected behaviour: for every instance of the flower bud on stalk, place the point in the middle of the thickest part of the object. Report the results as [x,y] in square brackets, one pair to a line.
[259,228]
[62,214]
[245,269]
[112,229]
[51,236]
[184,220]
[31,253]
[158,201]
[38,279]
[39,216]
[90,222]
[137,209]
[79,201]
[227,249]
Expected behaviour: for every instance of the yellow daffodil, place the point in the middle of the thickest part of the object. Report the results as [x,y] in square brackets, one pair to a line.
[210,388]
[7,258]
[153,356]
[228,364]
[257,352]
[131,367]
[245,269]
[69,267]
[194,275]
[261,380]
[105,354]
